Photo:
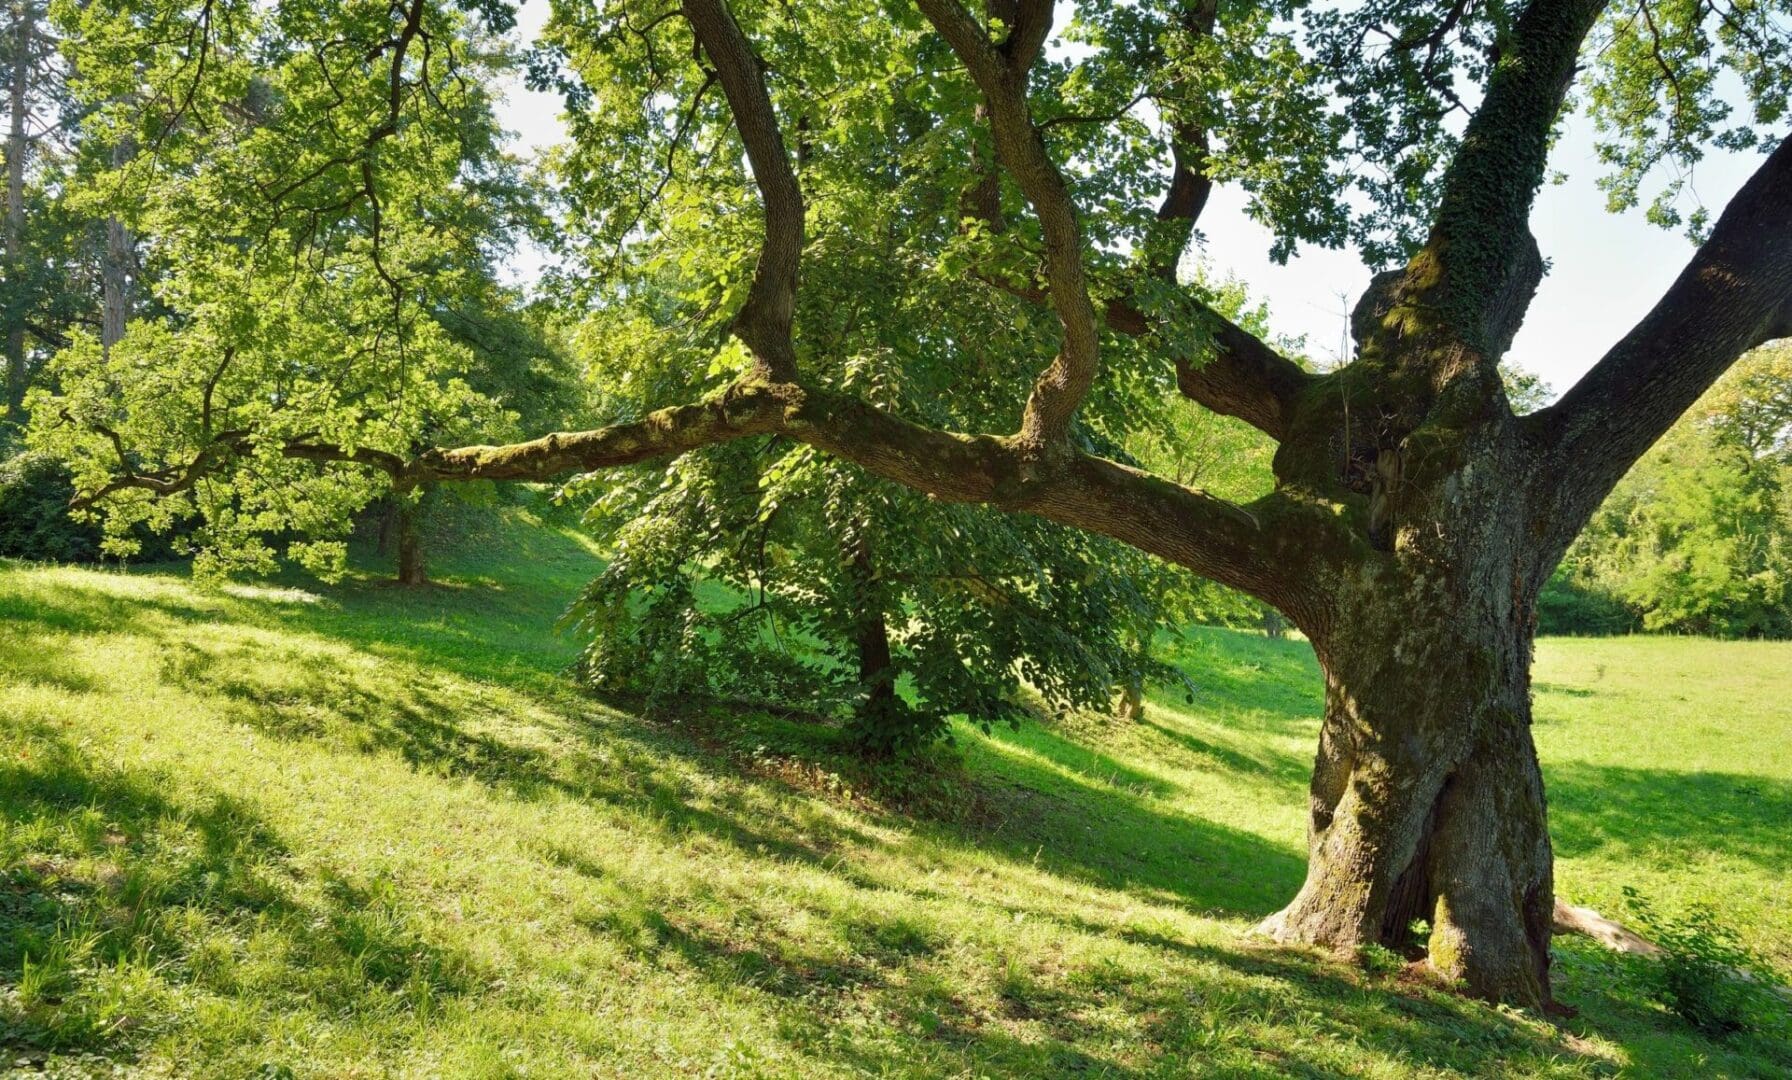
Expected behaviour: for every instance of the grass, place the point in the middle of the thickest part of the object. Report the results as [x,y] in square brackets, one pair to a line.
[360,831]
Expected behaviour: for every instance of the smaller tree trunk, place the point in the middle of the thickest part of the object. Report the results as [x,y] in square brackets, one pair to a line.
[412,571]
[877,672]
[388,530]
[1130,704]
[17,147]
[881,725]
[871,631]
[1275,627]
[115,267]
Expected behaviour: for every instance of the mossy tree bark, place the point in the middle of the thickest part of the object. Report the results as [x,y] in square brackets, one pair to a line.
[1426,799]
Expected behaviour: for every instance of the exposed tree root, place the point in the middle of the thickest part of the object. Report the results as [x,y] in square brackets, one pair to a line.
[1569,919]
[1585,921]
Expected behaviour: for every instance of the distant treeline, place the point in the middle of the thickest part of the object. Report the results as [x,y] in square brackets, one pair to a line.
[1698,538]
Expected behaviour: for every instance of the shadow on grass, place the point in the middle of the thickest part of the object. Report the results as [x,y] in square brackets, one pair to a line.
[1233,1011]
[106,879]
[1073,812]
[1667,817]
[1091,831]
[1263,761]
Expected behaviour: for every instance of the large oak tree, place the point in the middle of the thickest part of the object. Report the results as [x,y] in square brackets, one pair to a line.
[1415,516]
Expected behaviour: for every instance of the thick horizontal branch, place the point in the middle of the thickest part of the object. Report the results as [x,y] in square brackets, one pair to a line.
[1265,549]
[1258,549]
[1735,294]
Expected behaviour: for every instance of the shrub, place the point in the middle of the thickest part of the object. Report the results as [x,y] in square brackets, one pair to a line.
[1571,606]
[35,490]
[1705,973]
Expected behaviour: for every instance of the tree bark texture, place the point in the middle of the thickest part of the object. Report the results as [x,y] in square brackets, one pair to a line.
[412,569]
[17,149]
[1427,799]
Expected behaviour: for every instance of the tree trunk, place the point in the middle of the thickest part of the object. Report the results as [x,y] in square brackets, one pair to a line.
[382,543]
[877,673]
[1427,800]
[871,633]
[115,268]
[17,147]
[411,569]
[1131,701]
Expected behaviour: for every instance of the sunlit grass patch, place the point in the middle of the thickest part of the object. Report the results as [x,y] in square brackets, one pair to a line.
[379,832]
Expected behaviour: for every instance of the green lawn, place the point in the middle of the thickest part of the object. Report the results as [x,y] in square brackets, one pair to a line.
[356,831]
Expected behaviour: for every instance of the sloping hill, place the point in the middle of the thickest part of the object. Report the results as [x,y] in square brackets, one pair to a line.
[360,831]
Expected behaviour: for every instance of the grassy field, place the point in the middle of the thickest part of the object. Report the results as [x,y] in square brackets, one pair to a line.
[359,831]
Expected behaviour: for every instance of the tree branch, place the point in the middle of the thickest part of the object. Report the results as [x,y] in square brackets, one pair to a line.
[1190,185]
[1244,377]
[1468,285]
[1060,389]
[1267,549]
[1218,539]
[764,322]
[218,452]
[1735,294]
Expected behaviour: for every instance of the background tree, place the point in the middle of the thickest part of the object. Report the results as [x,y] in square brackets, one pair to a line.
[1415,516]
[325,293]
[47,251]
[1698,537]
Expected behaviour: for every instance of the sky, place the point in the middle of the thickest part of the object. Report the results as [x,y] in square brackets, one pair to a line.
[1606,270]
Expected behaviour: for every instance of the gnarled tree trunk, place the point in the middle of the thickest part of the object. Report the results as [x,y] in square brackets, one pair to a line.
[1427,800]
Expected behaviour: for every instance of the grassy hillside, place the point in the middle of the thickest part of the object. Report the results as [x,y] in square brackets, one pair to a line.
[356,831]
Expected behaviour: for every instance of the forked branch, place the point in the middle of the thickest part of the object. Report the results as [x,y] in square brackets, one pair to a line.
[1061,388]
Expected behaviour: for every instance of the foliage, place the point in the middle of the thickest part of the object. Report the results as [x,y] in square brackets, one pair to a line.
[35,490]
[755,572]
[1675,78]
[1698,538]
[1706,973]
[1569,604]
[315,283]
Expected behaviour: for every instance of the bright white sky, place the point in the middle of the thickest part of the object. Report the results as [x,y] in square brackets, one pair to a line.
[1606,269]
